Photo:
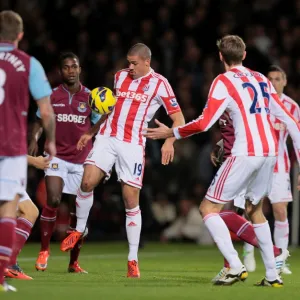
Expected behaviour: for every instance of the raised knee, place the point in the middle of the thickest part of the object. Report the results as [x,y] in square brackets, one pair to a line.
[86,186]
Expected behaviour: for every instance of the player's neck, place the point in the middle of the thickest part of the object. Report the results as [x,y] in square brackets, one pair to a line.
[228,68]
[144,74]
[14,43]
[72,88]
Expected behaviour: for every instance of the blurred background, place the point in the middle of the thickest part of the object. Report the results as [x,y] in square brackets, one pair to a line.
[182,35]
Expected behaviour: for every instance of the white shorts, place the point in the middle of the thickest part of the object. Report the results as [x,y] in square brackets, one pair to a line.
[24,197]
[129,159]
[69,172]
[13,177]
[242,177]
[281,188]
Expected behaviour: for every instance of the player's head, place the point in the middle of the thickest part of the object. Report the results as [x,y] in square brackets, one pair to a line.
[232,50]
[69,68]
[278,78]
[139,58]
[11,27]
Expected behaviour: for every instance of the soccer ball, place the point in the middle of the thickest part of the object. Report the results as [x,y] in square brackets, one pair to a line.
[102,100]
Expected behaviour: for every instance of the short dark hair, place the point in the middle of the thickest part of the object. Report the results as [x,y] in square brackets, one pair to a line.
[11,24]
[66,55]
[232,48]
[141,50]
[276,68]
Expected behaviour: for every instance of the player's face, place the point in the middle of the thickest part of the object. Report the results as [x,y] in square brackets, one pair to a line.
[278,80]
[70,71]
[138,66]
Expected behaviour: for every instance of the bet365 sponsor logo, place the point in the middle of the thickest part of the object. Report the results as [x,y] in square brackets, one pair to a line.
[132,95]
[70,118]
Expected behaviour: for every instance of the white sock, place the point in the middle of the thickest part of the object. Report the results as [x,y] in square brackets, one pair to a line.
[84,203]
[248,247]
[281,234]
[263,235]
[133,230]
[221,236]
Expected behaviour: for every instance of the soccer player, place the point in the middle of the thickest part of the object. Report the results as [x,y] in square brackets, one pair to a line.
[27,214]
[236,223]
[280,194]
[140,92]
[18,73]
[248,97]
[73,118]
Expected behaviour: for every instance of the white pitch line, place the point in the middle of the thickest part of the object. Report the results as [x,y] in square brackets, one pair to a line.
[105,256]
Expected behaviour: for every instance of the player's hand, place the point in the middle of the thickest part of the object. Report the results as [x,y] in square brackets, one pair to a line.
[33,148]
[298,184]
[50,148]
[160,132]
[214,156]
[167,152]
[41,162]
[84,139]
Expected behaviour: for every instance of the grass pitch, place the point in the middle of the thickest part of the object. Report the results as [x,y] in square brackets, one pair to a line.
[167,272]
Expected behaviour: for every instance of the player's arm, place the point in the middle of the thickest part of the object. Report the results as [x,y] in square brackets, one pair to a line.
[296,115]
[41,91]
[167,150]
[218,100]
[217,153]
[36,132]
[85,138]
[39,162]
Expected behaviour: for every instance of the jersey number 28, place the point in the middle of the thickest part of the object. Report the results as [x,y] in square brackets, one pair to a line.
[255,108]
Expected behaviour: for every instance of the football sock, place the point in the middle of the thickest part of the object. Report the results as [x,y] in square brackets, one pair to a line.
[7,238]
[74,253]
[281,234]
[23,230]
[263,234]
[221,236]
[84,203]
[133,230]
[47,222]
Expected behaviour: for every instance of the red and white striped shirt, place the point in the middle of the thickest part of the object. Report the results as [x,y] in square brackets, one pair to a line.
[248,97]
[283,162]
[137,102]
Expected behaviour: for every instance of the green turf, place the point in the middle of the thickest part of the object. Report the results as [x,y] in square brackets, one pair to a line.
[167,272]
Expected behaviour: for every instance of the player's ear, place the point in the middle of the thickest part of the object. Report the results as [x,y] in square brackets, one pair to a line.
[147,62]
[20,36]
[244,55]
[79,70]
[221,57]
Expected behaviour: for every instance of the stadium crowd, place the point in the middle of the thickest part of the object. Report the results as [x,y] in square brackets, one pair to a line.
[182,36]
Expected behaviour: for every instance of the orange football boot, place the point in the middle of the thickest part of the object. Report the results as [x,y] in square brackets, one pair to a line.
[133,269]
[41,262]
[75,268]
[16,272]
[70,241]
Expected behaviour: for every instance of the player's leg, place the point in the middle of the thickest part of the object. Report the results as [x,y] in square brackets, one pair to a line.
[72,183]
[97,166]
[130,170]
[74,266]
[27,214]
[279,197]
[13,178]
[54,179]
[245,231]
[133,225]
[258,189]
[227,185]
